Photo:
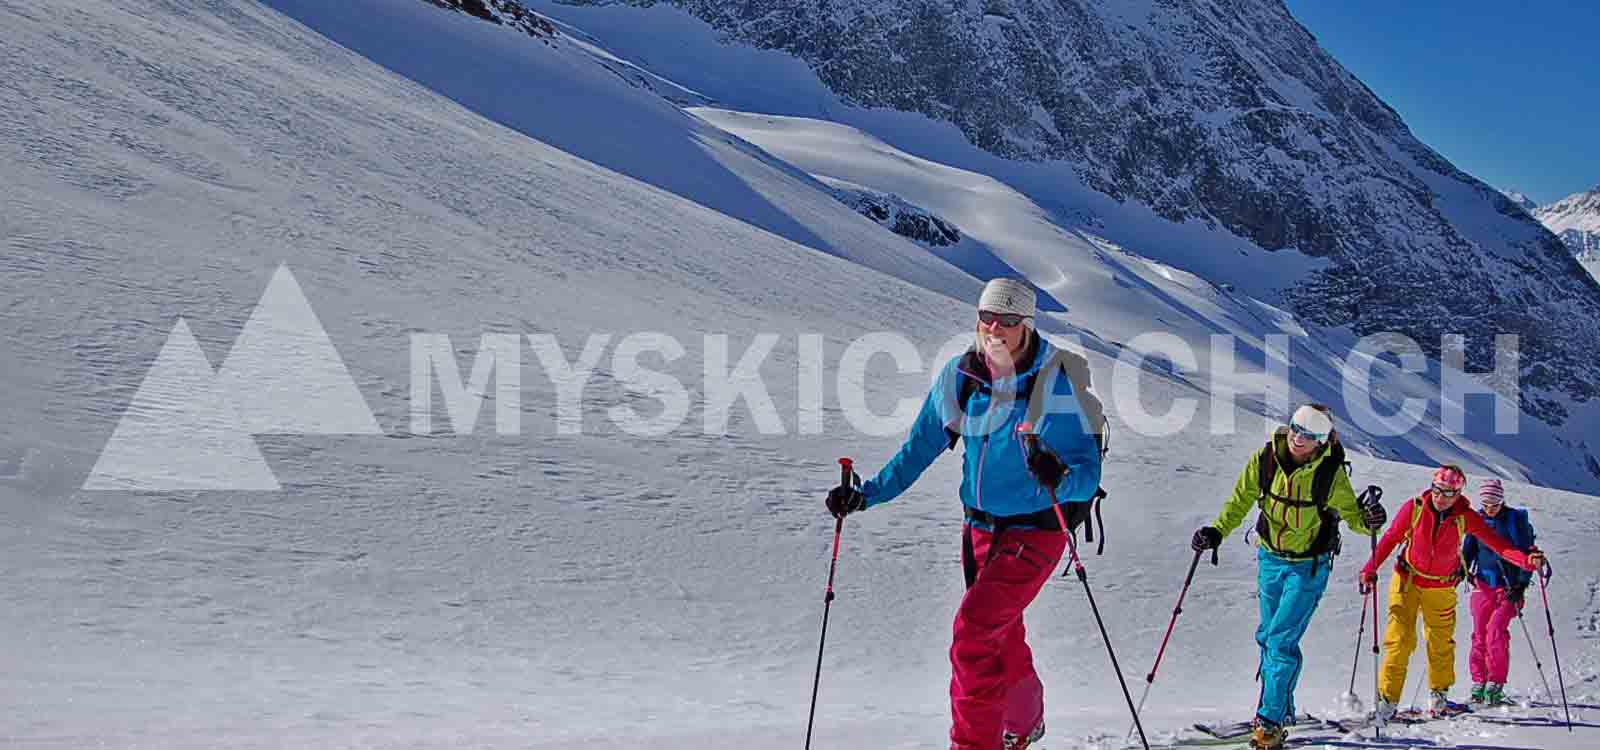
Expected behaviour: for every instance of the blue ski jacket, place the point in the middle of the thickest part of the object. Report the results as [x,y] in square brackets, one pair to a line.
[1511,523]
[994,476]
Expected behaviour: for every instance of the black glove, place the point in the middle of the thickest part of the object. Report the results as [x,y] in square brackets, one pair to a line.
[1374,516]
[844,500]
[1206,537]
[1047,468]
[1517,594]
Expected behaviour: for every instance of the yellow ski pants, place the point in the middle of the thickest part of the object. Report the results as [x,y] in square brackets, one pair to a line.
[1438,609]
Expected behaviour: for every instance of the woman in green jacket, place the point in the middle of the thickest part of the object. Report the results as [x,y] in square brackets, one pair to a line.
[1298,482]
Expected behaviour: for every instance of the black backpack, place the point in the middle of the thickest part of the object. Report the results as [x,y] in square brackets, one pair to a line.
[1327,539]
[1077,371]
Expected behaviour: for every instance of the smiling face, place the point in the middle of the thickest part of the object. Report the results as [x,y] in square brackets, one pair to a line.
[1001,344]
[1302,447]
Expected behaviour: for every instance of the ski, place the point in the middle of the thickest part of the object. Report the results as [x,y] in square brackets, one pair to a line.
[1242,728]
[1548,704]
[1318,740]
[1408,716]
[1532,721]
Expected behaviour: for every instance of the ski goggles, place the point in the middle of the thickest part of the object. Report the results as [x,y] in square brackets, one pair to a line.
[1446,491]
[1006,320]
[1315,437]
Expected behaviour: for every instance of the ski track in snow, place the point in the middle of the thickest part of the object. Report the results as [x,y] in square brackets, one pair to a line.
[541,590]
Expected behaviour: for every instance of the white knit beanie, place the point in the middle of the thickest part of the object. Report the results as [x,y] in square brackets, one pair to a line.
[1313,419]
[1009,296]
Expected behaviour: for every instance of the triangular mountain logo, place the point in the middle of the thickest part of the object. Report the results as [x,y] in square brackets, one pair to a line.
[285,377]
[180,432]
[191,428]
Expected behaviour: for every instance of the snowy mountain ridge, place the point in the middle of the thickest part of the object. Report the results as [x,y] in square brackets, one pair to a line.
[1224,114]
[1576,220]
[1521,200]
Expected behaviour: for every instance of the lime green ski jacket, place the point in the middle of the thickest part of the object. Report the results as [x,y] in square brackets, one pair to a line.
[1290,530]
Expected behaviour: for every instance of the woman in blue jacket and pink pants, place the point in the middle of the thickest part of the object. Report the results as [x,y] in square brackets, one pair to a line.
[1497,593]
[1011,539]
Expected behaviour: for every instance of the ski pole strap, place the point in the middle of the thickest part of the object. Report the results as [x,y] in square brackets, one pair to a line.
[1088,535]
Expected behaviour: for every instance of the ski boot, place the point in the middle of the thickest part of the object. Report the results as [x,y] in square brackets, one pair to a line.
[1265,735]
[1011,741]
[1494,694]
[1439,705]
[1478,690]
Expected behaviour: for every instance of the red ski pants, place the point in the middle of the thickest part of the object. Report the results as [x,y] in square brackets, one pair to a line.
[993,687]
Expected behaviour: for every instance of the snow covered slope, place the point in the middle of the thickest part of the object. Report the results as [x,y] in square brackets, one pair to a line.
[1227,119]
[1563,437]
[573,97]
[1117,296]
[164,159]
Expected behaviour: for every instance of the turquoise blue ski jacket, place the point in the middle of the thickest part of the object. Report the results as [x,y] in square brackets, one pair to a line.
[994,476]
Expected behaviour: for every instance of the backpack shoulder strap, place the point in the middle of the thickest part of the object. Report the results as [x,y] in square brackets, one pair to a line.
[969,385]
[1322,483]
[1076,368]
[1266,471]
[1417,510]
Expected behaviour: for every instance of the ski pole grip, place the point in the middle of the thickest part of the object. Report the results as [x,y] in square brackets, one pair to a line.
[1213,557]
[1030,440]
[847,472]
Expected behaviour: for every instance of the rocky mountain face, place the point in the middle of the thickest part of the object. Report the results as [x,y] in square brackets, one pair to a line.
[900,217]
[1225,112]
[1576,220]
[503,12]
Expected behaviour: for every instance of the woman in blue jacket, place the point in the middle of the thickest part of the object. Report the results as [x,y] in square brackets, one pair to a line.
[1011,539]
[1497,593]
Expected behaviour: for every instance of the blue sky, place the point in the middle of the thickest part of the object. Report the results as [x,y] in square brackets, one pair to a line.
[1507,91]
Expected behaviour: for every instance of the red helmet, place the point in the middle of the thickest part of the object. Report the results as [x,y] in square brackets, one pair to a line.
[1450,479]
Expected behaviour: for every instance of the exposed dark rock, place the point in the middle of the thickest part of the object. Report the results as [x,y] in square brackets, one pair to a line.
[900,217]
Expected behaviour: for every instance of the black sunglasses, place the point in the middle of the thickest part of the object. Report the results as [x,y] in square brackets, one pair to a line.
[1007,320]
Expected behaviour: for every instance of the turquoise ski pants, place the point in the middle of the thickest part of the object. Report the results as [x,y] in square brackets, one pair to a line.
[1289,593]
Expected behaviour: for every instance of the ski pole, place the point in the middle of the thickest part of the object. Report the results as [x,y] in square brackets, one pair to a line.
[1373,494]
[846,475]
[1377,695]
[1544,575]
[1030,442]
[1361,635]
[1549,694]
[1150,678]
